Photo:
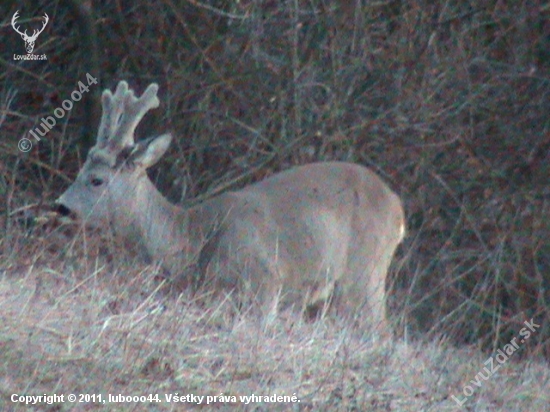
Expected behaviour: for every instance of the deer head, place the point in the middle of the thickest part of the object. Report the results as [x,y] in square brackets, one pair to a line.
[29,40]
[112,186]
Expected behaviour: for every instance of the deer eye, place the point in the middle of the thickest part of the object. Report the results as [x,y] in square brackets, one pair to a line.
[96,181]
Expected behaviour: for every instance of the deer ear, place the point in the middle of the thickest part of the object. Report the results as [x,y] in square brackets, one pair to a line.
[148,152]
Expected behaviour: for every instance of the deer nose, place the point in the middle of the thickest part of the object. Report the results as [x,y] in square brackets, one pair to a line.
[62,209]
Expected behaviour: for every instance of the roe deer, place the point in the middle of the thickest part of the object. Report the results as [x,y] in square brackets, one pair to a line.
[314,235]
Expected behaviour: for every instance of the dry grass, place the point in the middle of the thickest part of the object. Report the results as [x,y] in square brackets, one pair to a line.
[109,331]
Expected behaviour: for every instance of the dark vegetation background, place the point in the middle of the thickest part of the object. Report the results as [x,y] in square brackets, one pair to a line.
[448,101]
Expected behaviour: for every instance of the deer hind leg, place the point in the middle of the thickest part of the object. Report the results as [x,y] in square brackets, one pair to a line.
[360,297]
[318,300]
[376,300]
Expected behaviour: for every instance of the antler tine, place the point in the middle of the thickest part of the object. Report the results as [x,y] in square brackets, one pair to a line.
[136,108]
[111,105]
[122,112]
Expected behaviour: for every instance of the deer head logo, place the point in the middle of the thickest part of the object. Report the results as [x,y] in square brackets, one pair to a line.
[29,40]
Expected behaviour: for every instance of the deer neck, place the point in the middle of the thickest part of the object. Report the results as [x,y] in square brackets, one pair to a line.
[161,226]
